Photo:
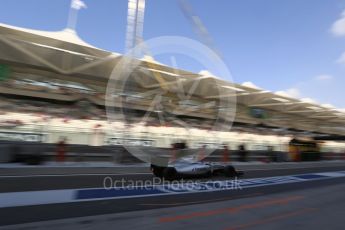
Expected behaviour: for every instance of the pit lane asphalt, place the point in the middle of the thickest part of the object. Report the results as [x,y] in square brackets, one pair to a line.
[77,181]
[28,214]
[316,208]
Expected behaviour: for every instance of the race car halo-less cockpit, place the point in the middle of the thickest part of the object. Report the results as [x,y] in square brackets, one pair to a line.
[184,167]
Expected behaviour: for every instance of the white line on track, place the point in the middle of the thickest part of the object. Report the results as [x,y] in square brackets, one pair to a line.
[15,199]
[305,167]
[72,175]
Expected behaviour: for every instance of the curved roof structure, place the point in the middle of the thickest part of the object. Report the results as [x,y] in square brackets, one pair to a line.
[63,55]
[66,35]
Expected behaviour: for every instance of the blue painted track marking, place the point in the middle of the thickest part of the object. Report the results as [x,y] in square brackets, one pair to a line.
[210,186]
[14,199]
[104,193]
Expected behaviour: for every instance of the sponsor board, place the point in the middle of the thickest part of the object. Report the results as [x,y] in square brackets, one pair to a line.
[130,142]
[15,136]
[208,145]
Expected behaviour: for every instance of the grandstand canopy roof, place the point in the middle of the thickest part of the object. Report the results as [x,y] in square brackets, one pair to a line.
[44,56]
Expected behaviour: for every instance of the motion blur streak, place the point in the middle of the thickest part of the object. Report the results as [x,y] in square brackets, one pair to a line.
[273,218]
[232,210]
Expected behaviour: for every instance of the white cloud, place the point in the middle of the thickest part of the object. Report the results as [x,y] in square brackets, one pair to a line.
[149,58]
[292,92]
[78,4]
[250,85]
[341,59]
[338,27]
[207,73]
[323,88]
[323,77]
[309,100]
[282,93]
[329,106]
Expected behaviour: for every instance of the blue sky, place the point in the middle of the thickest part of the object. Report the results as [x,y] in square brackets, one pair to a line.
[294,46]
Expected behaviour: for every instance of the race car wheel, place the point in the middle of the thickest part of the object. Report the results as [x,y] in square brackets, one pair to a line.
[230,171]
[209,174]
[157,171]
[170,174]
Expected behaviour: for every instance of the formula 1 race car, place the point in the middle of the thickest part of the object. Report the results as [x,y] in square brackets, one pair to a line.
[187,168]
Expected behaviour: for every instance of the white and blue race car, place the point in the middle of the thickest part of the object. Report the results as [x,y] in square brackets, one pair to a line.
[188,168]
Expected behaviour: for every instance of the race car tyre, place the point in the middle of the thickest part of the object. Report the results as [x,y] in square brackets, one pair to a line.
[230,171]
[157,171]
[209,174]
[170,174]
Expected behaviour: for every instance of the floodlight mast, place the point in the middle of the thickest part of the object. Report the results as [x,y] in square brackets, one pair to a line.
[135,24]
[76,5]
